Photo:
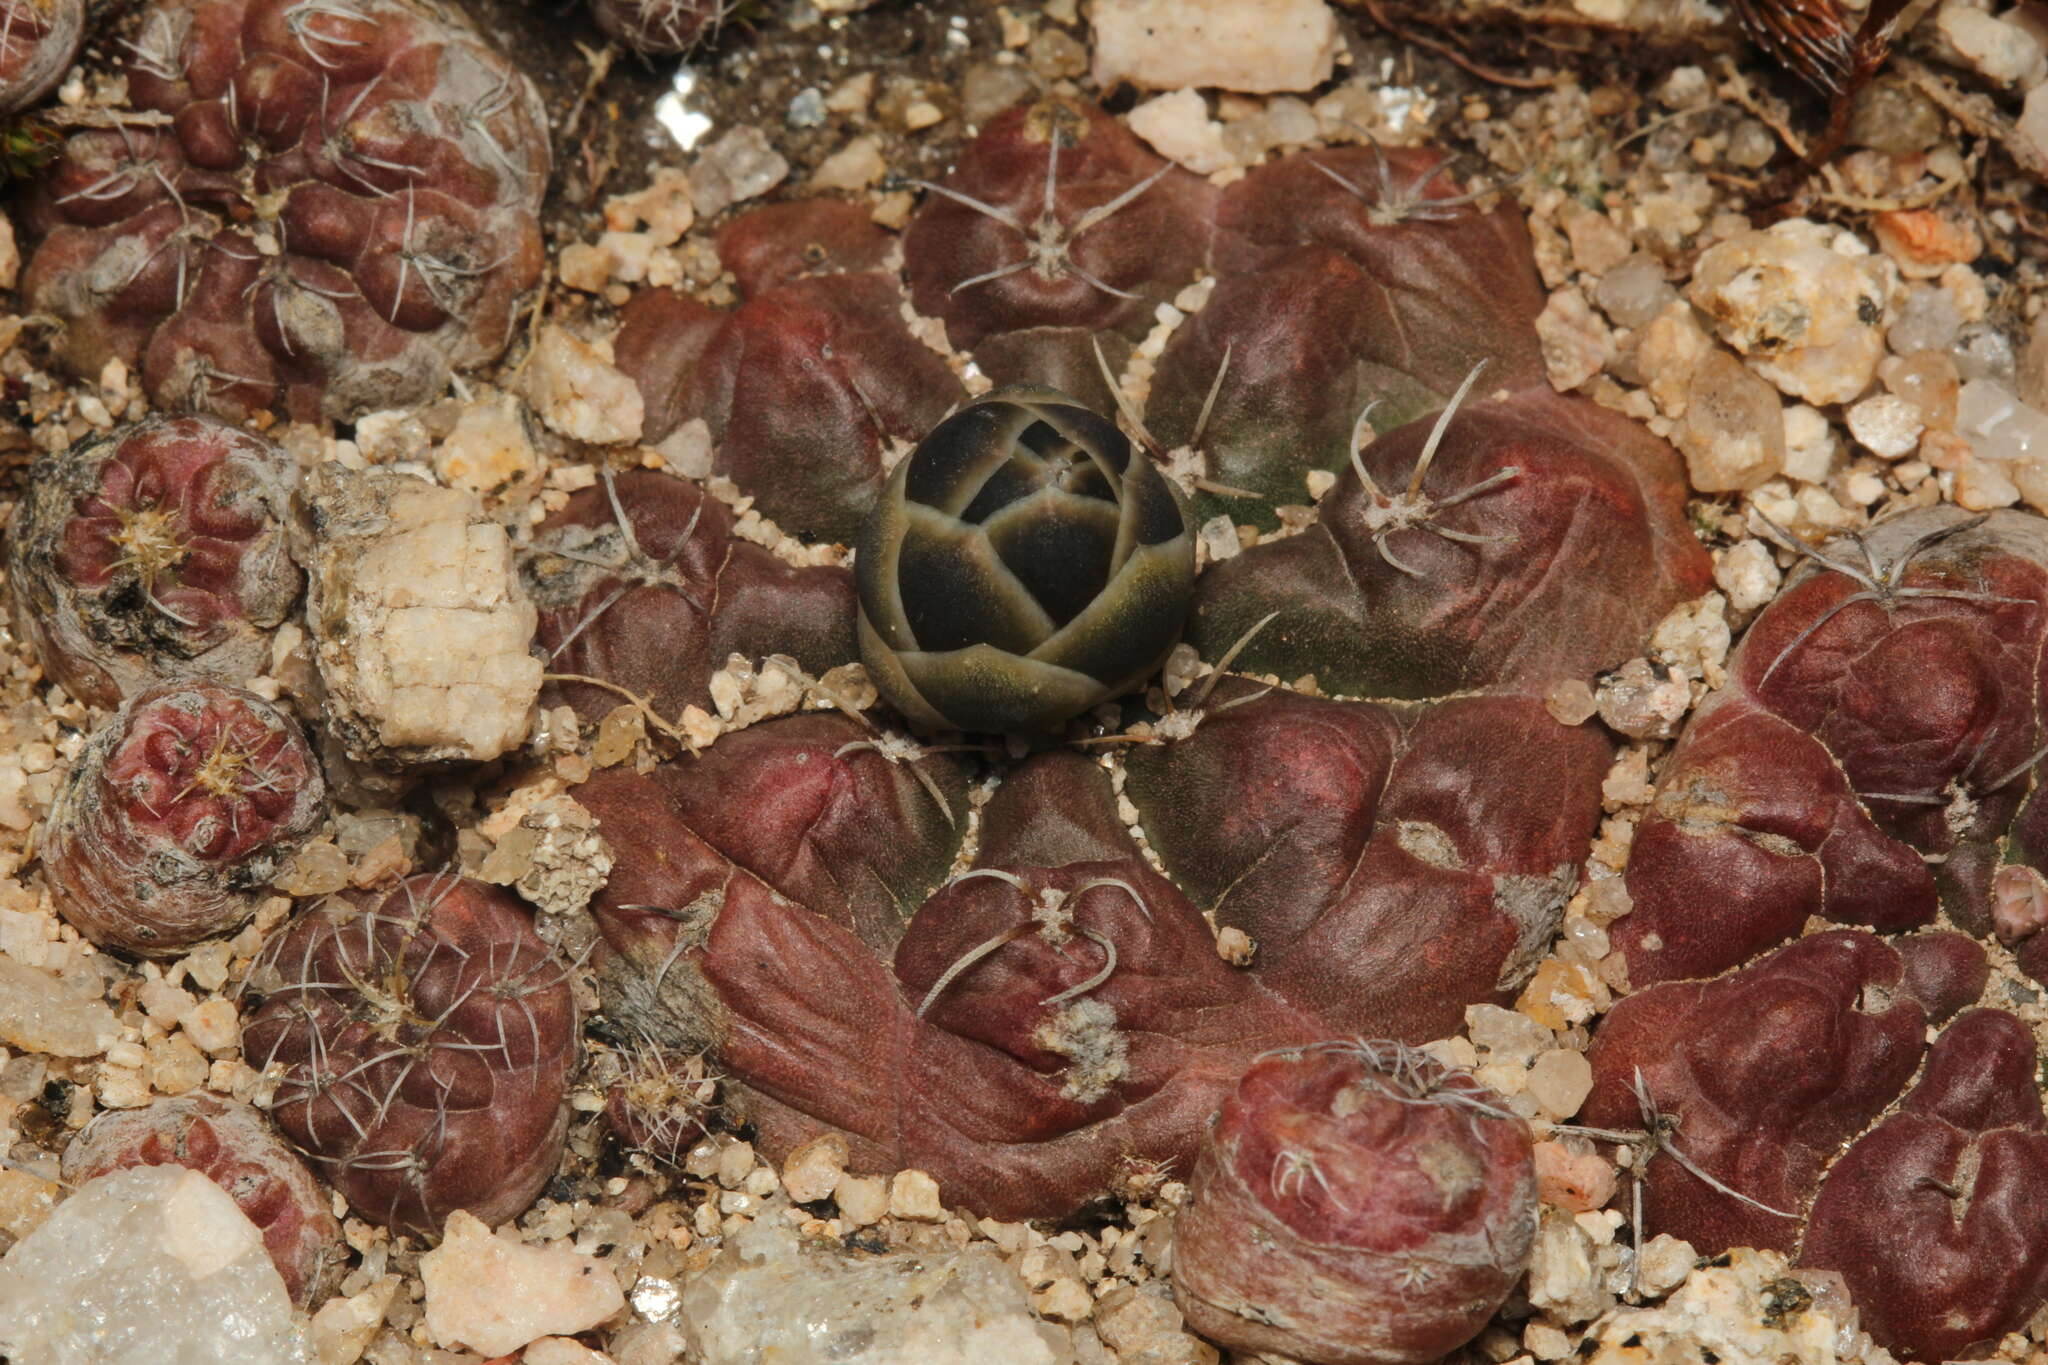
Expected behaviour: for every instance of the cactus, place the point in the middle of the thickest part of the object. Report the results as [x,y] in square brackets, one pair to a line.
[1023,566]
[341,208]
[183,807]
[1388,862]
[1355,1204]
[642,582]
[1872,759]
[39,39]
[232,1146]
[426,1040]
[151,553]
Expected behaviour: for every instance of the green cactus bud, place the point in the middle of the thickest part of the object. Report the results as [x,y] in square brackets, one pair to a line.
[1022,565]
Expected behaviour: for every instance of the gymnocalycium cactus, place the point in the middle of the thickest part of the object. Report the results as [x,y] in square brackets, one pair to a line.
[183,806]
[1057,1008]
[1355,1204]
[153,552]
[340,208]
[1023,565]
[38,41]
[427,1037]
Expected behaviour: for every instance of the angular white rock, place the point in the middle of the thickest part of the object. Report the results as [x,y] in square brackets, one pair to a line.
[488,448]
[39,1013]
[1999,50]
[767,1298]
[1251,45]
[153,1265]
[494,1296]
[1730,1312]
[419,624]
[1179,128]
[577,391]
[1804,314]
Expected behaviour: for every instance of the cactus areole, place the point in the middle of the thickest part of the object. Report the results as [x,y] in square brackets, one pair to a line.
[1020,567]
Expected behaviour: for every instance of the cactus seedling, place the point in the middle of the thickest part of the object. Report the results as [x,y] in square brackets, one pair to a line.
[1355,1204]
[153,553]
[1023,565]
[184,805]
[426,1040]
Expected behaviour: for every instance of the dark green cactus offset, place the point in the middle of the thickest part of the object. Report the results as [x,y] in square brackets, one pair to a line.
[1022,566]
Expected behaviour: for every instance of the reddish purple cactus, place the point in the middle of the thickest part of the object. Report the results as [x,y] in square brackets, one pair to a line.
[153,553]
[1029,1026]
[1355,1204]
[1872,758]
[230,1144]
[813,385]
[1511,544]
[1937,1217]
[1748,1084]
[641,582]
[661,27]
[38,41]
[342,208]
[1393,864]
[426,1041]
[1010,1032]
[183,807]
[1056,224]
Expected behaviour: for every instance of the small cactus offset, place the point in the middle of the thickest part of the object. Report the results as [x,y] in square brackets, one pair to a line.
[340,210]
[153,552]
[426,1039]
[1355,1204]
[184,805]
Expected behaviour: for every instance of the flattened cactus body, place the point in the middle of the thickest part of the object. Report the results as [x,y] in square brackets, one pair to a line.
[1061,1006]
[1873,757]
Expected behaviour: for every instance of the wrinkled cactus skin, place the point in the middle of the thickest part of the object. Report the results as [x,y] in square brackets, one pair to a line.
[792,928]
[427,1040]
[1394,864]
[1871,760]
[342,209]
[1769,1080]
[659,610]
[1583,547]
[230,1144]
[184,805]
[1022,566]
[1767,1071]
[38,41]
[1355,1204]
[151,553]
[1056,225]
